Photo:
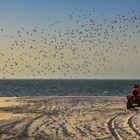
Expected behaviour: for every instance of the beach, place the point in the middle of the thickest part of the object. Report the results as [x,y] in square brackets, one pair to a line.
[68,118]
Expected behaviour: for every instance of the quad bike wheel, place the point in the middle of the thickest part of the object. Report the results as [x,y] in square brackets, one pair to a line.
[129,105]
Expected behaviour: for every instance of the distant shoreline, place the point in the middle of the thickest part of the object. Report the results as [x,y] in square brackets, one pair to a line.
[62,96]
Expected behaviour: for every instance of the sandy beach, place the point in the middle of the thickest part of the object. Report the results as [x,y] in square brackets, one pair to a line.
[67,118]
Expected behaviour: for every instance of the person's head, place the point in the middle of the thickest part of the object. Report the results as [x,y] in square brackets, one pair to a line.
[135,86]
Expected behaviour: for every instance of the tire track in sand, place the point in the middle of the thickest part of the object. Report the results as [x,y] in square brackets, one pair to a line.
[112,127]
[132,125]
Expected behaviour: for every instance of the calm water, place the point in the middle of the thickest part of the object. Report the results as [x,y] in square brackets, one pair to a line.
[66,87]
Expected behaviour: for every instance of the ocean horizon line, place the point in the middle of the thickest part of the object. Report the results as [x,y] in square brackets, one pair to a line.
[68,79]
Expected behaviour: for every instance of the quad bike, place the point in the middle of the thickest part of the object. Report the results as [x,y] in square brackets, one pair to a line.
[133,100]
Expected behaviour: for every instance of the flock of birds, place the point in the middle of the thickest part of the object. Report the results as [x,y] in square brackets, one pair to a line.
[81,45]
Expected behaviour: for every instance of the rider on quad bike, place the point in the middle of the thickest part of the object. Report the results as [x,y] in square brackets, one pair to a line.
[133,100]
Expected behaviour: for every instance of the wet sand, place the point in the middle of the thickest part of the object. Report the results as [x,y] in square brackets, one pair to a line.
[68,118]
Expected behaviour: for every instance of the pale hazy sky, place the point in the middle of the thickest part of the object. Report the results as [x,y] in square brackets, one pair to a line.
[70,39]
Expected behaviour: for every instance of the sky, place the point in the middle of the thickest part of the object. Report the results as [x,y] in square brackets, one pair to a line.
[40,12]
[96,39]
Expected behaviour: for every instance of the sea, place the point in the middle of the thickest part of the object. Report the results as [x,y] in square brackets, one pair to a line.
[61,87]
